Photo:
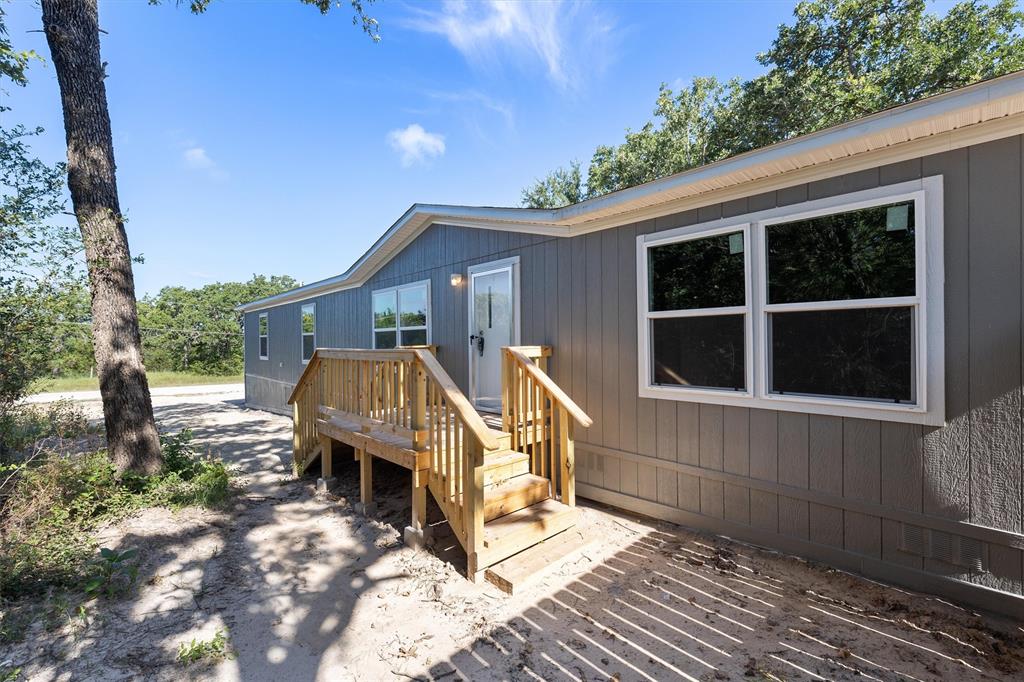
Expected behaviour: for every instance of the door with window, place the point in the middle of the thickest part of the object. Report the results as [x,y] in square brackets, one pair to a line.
[493,324]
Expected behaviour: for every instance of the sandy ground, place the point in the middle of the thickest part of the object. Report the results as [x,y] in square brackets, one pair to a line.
[307,589]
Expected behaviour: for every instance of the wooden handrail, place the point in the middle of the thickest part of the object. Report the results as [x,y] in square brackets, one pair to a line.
[470,417]
[312,366]
[551,387]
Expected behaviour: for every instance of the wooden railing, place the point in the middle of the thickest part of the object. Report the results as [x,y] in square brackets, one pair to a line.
[540,417]
[404,392]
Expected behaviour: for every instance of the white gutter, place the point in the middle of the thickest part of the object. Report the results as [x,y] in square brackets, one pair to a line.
[996,98]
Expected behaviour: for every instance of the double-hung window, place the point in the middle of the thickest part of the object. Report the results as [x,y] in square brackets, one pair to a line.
[308,330]
[264,334]
[698,311]
[401,315]
[833,306]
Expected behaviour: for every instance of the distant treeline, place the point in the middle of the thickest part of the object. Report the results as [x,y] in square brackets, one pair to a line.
[194,330]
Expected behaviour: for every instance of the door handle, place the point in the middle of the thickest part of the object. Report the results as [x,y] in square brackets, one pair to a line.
[478,341]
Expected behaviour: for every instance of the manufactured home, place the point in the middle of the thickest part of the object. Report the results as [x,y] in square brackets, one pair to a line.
[817,347]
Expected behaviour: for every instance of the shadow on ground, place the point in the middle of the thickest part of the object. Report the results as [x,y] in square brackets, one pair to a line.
[307,589]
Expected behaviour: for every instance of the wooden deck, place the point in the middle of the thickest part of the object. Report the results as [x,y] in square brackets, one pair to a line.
[504,482]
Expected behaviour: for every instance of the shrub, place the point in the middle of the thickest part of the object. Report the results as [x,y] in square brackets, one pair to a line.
[55,502]
[25,425]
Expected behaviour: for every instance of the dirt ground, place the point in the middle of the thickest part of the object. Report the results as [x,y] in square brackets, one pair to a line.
[307,589]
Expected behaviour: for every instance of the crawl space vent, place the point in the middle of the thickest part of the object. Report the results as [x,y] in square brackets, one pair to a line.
[937,544]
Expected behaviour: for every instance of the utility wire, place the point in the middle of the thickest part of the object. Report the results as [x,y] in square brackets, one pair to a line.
[161,329]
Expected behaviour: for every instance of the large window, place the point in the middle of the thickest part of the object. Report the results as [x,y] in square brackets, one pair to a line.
[832,306]
[264,334]
[401,316]
[308,331]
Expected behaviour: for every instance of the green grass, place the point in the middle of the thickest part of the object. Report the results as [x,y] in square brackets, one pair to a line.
[52,505]
[216,649]
[85,383]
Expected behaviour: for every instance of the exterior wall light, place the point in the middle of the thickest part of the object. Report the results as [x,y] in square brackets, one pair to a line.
[456,279]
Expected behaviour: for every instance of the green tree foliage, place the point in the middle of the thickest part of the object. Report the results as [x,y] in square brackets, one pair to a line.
[680,137]
[39,264]
[199,330]
[561,187]
[837,61]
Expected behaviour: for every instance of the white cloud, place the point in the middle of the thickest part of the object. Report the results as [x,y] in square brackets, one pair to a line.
[197,159]
[568,38]
[416,145]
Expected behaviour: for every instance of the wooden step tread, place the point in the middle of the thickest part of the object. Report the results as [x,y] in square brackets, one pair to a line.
[529,526]
[516,572]
[500,458]
[512,494]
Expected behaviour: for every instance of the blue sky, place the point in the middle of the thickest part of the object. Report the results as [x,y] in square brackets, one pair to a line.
[262,137]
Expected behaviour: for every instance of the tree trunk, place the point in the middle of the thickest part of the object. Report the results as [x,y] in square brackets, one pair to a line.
[72,31]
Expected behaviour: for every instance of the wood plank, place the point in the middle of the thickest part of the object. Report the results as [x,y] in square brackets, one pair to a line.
[687,431]
[901,465]
[862,469]
[712,436]
[511,495]
[825,473]
[666,429]
[946,450]
[764,444]
[627,343]
[688,492]
[736,446]
[737,503]
[764,465]
[514,532]
[595,361]
[793,470]
[610,323]
[519,571]
[995,334]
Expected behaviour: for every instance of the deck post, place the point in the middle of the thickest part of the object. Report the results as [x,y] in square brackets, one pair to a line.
[419,408]
[568,458]
[473,493]
[414,533]
[326,460]
[326,480]
[296,442]
[365,505]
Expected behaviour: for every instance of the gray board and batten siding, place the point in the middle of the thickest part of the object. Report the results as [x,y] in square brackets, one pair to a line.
[855,493]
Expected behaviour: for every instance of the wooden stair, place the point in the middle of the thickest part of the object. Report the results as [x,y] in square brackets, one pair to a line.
[504,483]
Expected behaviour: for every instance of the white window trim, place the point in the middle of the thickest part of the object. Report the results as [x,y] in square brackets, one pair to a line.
[398,328]
[260,336]
[746,310]
[303,334]
[929,316]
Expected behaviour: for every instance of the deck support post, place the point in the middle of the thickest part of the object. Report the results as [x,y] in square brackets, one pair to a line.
[365,504]
[415,535]
[326,480]
[326,458]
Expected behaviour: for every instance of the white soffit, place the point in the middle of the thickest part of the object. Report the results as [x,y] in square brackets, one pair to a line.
[987,110]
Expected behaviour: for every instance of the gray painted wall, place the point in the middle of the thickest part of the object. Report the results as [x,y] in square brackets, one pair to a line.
[829,488]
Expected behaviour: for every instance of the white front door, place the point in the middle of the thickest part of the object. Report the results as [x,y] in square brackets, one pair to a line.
[492,325]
